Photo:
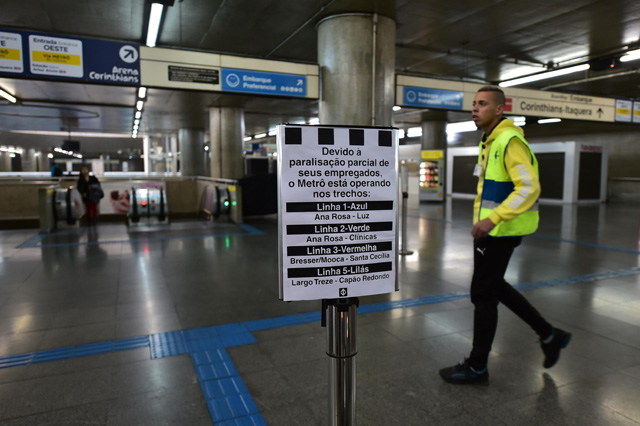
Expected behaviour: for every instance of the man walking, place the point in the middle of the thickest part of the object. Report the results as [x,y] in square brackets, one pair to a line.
[505,210]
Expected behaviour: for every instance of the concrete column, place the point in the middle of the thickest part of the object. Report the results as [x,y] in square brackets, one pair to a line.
[191,152]
[434,130]
[5,161]
[174,155]
[146,151]
[356,53]
[226,128]
[42,162]
[29,160]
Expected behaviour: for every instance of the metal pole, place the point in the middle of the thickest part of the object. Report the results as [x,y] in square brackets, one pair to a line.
[341,323]
[404,171]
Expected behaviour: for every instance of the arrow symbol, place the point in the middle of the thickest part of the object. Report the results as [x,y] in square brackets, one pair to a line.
[299,82]
[600,112]
[129,53]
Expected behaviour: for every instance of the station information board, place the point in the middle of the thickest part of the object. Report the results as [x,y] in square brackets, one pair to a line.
[337,202]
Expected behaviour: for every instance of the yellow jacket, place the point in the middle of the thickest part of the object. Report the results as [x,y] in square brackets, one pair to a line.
[517,156]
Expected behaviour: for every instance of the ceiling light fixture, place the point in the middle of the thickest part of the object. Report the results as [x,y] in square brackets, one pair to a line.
[138,114]
[544,75]
[549,120]
[632,55]
[260,136]
[8,96]
[69,134]
[139,105]
[142,92]
[155,16]
[396,108]
[461,127]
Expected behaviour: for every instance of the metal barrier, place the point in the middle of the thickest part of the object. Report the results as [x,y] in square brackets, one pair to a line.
[221,202]
[59,207]
[148,205]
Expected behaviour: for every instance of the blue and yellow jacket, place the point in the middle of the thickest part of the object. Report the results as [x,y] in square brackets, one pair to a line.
[508,186]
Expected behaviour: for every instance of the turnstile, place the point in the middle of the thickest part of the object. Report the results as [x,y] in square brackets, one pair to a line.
[148,206]
[59,208]
[220,202]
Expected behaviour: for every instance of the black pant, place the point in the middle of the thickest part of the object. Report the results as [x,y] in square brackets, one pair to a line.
[488,288]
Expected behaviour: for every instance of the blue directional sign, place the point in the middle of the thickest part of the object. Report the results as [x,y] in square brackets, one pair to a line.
[39,55]
[432,98]
[264,83]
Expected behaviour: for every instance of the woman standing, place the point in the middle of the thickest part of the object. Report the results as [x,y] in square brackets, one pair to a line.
[89,188]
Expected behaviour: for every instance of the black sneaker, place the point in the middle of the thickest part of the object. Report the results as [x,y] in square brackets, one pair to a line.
[463,374]
[559,340]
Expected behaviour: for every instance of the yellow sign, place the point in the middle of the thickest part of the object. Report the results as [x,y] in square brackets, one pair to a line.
[432,155]
[13,54]
[623,111]
[56,58]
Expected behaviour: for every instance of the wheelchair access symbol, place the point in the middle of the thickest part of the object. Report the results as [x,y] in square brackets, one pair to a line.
[343,292]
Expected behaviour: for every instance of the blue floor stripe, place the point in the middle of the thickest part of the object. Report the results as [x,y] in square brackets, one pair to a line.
[36,240]
[228,399]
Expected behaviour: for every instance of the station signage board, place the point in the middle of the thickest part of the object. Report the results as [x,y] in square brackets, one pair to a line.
[337,202]
[38,55]
[624,110]
[636,112]
[263,83]
[432,98]
[11,53]
[444,94]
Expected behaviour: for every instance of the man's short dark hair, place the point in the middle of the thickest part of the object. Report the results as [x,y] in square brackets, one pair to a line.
[498,94]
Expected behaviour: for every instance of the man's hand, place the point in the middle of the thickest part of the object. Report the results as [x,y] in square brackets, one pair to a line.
[482,228]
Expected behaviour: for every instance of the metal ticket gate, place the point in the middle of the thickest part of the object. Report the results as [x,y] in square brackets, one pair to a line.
[148,206]
[59,208]
[221,203]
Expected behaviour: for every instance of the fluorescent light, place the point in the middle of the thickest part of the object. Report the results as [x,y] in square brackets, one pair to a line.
[142,92]
[139,105]
[549,120]
[396,108]
[260,136]
[314,121]
[8,96]
[154,23]
[414,132]
[461,127]
[136,121]
[544,75]
[272,132]
[49,155]
[247,139]
[138,114]
[206,147]
[68,134]
[632,55]
[401,134]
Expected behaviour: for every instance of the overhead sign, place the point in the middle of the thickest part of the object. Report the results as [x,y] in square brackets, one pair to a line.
[624,110]
[11,53]
[194,75]
[337,192]
[264,83]
[69,58]
[537,103]
[56,57]
[432,98]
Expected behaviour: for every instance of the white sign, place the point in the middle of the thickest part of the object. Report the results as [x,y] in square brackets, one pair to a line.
[337,195]
[59,57]
[623,110]
[11,53]
[636,112]
[536,103]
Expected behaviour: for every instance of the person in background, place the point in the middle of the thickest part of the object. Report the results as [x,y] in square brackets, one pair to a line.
[89,188]
[505,210]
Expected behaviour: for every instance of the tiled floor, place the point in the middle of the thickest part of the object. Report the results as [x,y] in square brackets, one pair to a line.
[239,356]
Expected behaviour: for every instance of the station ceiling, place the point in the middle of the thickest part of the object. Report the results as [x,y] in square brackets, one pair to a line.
[477,41]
